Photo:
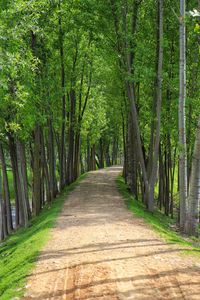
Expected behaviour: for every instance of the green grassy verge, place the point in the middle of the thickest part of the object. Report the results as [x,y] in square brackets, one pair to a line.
[159,222]
[20,251]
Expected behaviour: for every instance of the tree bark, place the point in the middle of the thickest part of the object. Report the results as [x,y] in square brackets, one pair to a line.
[25,175]
[45,172]
[37,183]
[101,154]
[182,126]
[13,157]
[22,186]
[6,191]
[70,159]
[192,224]
[131,158]
[158,99]
[52,161]
[2,213]
[62,141]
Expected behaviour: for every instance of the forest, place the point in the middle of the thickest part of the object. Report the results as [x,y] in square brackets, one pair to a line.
[89,84]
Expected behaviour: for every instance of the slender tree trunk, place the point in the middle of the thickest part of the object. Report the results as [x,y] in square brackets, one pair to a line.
[52,161]
[115,150]
[182,126]
[81,110]
[192,224]
[77,155]
[189,143]
[88,154]
[101,154]
[92,158]
[2,213]
[124,147]
[6,191]
[46,178]
[13,157]
[161,180]
[70,159]
[62,142]
[25,175]
[158,99]
[37,183]
[167,182]
[82,163]
[107,155]
[131,158]
[24,202]
[172,182]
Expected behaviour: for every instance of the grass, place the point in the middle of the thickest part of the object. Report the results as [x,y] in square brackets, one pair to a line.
[19,252]
[159,222]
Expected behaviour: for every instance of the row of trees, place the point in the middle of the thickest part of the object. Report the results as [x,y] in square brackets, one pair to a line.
[55,122]
[159,142]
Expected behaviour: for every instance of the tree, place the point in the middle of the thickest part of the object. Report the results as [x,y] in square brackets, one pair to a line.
[156,111]
[192,222]
[3,233]
[182,124]
[6,191]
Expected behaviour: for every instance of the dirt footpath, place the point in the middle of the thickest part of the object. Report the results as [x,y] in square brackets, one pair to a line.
[99,250]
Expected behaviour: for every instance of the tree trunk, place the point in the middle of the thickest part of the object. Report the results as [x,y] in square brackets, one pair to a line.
[37,183]
[13,157]
[45,172]
[124,147]
[182,126]
[101,154]
[77,155]
[2,213]
[88,154]
[158,99]
[25,175]
[131,159]
[22,186]
[52,161]
[62,142]
[107,155]
[192,224]
[6,191]
[70,159]
[161,180]
[92,158]
[115,150]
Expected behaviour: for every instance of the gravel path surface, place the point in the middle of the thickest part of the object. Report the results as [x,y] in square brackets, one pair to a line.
[99,250]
